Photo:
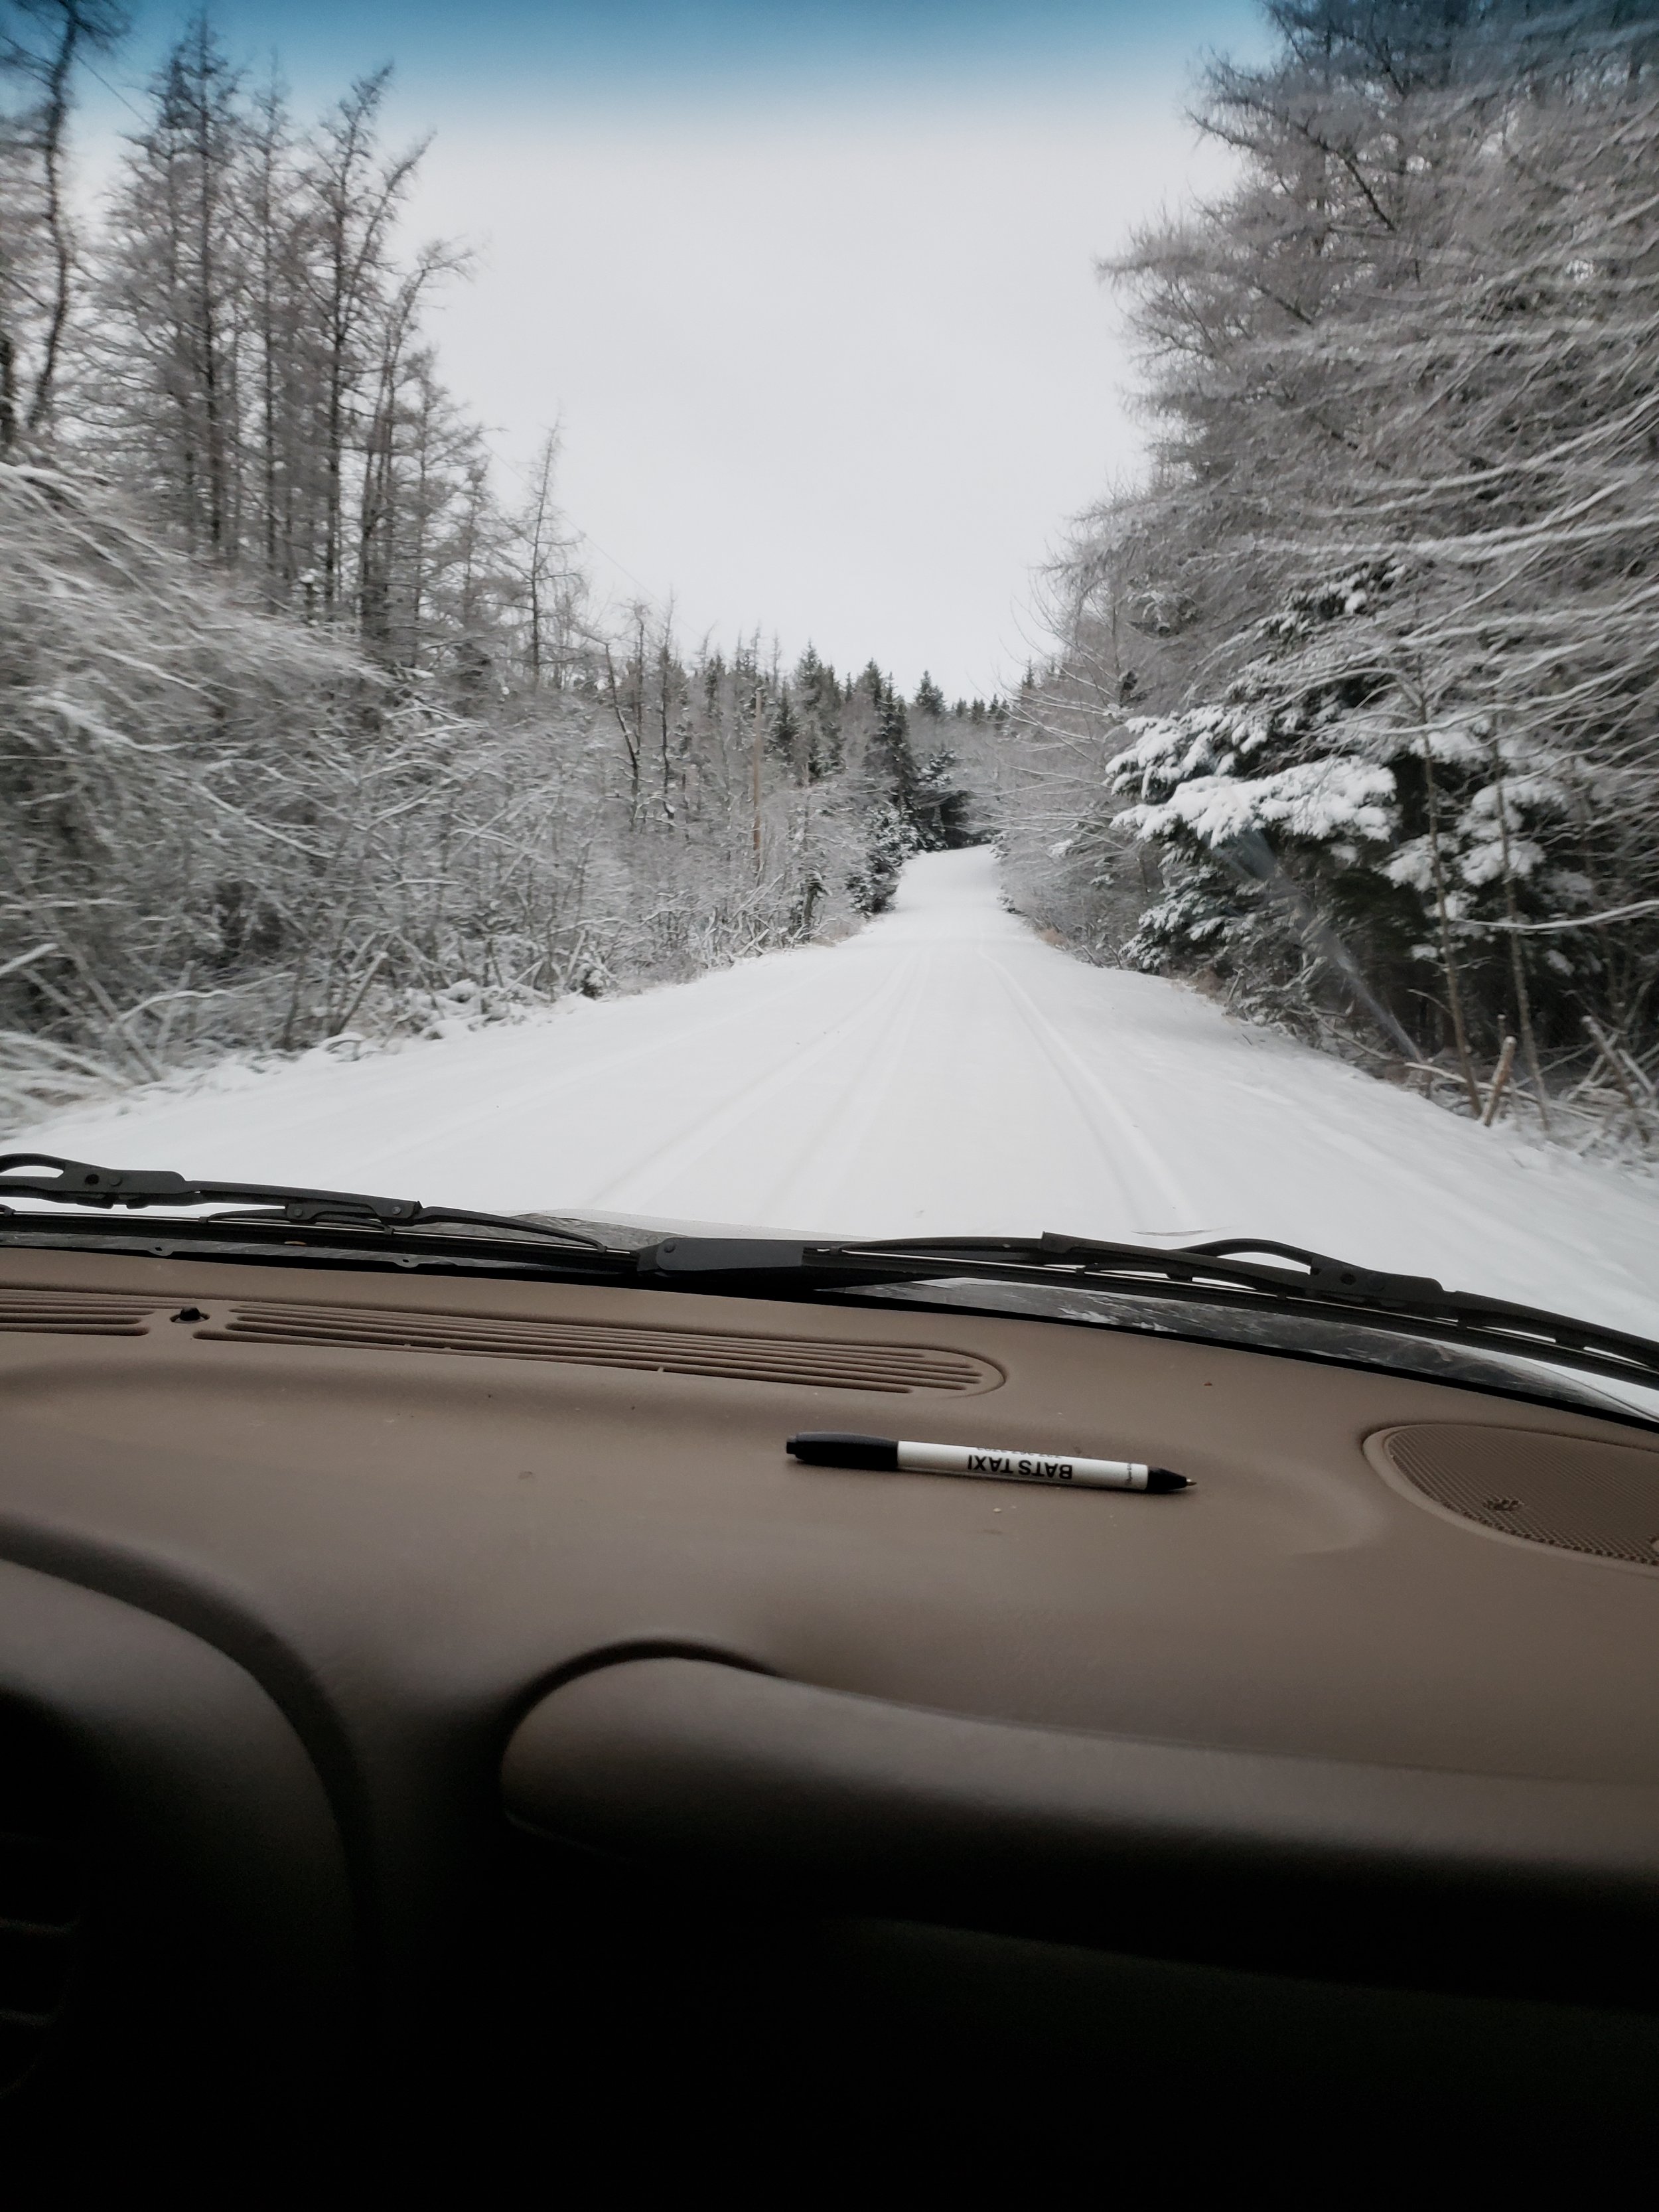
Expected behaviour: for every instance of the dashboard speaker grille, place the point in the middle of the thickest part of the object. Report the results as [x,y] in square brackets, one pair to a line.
[1573,1493]
[898,1370]
[75,1313]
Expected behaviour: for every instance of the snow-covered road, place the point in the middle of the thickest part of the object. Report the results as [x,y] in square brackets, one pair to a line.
[943,1070]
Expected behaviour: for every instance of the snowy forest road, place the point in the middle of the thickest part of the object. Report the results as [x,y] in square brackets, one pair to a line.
[943,1070]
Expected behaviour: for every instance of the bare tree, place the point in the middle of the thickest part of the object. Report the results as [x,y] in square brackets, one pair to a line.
[543,554]
[42,43]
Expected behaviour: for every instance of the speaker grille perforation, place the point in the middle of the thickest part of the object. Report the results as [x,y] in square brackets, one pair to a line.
[1573,1493]
[897,1369]
[75,1313]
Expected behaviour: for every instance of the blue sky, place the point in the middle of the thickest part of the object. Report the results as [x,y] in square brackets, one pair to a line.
[797,50]
[809,287]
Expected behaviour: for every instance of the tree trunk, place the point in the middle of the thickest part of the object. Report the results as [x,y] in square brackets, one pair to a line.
[54,124]
[1454,992]
[1518,962]
[8,393]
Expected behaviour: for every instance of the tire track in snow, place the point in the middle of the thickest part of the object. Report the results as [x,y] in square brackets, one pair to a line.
[544,1092]
[1082,1085]
[808,1191]
[698,1139]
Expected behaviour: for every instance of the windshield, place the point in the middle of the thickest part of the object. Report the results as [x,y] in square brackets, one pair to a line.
[942,620]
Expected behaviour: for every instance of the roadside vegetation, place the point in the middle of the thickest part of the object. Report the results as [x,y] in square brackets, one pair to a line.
[1355,719]
[310,733]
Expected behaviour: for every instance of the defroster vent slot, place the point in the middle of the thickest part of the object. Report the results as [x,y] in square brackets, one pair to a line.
[897,1370]
[73,1313]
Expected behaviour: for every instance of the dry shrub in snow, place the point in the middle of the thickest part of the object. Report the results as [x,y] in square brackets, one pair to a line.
[225,830]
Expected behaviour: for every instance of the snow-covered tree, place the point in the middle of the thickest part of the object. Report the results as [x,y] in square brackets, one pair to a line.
[308,732]
[1385,604]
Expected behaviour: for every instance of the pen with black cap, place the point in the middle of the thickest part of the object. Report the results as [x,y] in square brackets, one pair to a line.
[826,1448]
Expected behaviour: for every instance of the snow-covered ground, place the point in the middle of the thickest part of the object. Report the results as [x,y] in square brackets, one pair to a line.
[943,1070]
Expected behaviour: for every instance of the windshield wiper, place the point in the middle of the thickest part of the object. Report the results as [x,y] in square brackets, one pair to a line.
[1206,1273]
[1215,1272]
[78,1182]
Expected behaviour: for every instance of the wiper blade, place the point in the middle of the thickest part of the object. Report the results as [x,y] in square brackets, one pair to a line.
[79,1183]
[1213,1273]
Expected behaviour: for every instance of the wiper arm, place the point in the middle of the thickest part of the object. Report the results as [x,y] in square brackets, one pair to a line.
[1327,1280]
[1210,1272]
[1330,1282]
[78,1182]
[1417,1302]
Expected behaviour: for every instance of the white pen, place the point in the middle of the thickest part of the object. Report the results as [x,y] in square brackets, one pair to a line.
[825,1447]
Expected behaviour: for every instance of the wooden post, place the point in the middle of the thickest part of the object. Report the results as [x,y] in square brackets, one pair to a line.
[1505,1062]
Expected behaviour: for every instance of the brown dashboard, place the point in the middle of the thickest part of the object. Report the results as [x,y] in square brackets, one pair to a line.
[355,1606]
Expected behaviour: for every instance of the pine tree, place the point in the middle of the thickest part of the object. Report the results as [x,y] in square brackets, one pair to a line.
[820,702]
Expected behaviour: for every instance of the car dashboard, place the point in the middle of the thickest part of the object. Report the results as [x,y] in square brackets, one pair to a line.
[445,1697]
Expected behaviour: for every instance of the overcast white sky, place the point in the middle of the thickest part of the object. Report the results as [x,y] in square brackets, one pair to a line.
[809,287]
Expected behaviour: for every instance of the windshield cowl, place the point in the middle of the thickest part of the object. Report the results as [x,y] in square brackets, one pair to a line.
[1235,1291]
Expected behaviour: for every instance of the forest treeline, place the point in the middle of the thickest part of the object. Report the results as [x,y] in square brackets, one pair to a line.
[1355,719]
[311,729]
[307,731]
